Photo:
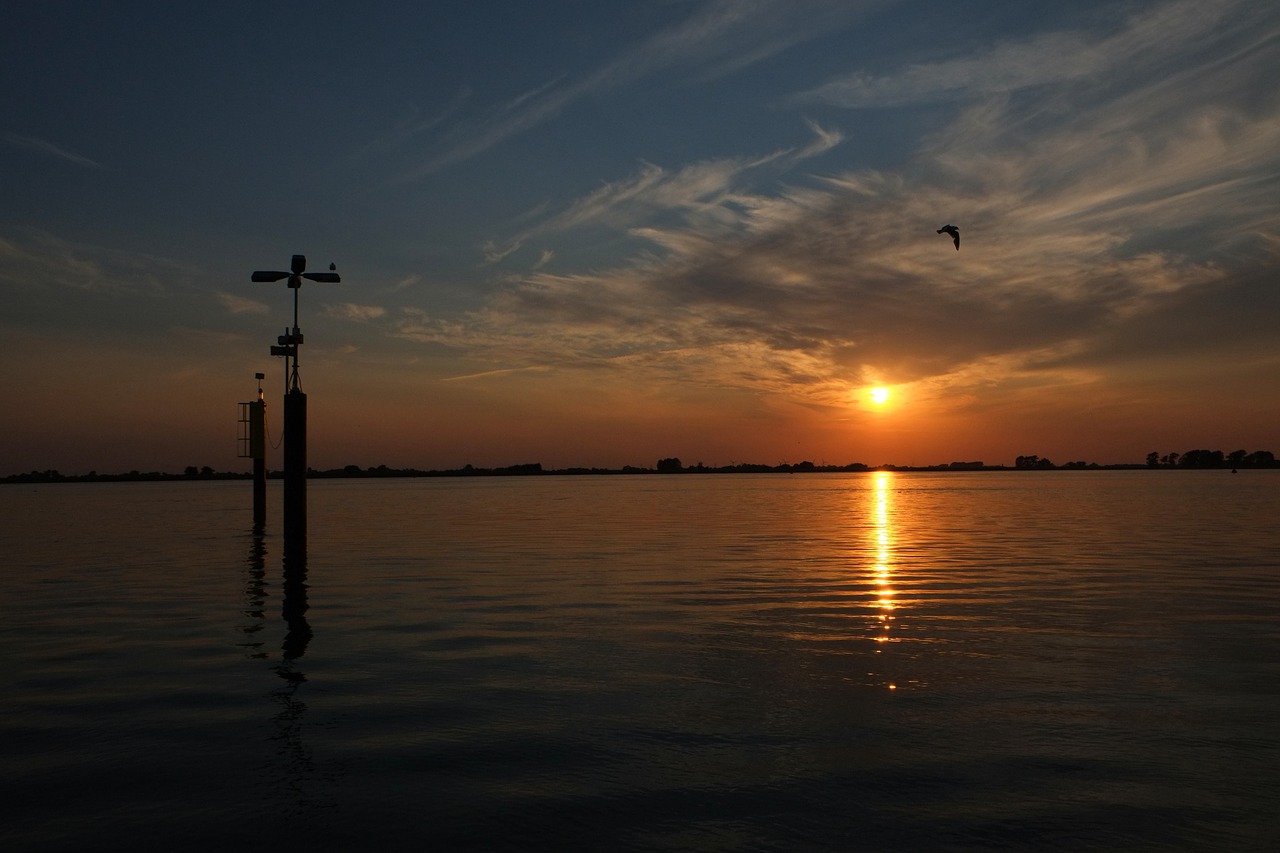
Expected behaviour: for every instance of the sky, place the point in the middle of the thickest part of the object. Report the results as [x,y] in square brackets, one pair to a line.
[601,234]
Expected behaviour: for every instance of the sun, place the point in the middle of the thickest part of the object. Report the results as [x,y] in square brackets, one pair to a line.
[879,396]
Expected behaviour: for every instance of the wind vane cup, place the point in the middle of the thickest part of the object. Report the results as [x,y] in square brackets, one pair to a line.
[289,342]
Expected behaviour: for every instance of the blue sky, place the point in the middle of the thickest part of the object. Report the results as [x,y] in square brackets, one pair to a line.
[600,234]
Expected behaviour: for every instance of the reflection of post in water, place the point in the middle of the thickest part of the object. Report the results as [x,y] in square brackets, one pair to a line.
[296,782]
[288,722]
[294,611]
[301,774]
[255,593]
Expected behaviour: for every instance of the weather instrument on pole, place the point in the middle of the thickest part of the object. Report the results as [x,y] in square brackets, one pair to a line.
[290,340]
[295,409]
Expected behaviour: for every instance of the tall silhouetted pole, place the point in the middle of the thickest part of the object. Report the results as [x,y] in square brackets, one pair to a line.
[258,449]
[295,403]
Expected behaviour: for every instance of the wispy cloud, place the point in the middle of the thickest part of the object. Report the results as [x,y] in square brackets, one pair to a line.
[235,304]
[824,140]
[1043,59]
[1087,231]
[405,283]
[410,128]
[486,374]
[722,37]
[69,288]
[38,259]
[711,191]
[495,251]
[353,312]
[467,139]
[44,147]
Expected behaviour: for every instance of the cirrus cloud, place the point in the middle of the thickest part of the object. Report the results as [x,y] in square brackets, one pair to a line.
[353,312]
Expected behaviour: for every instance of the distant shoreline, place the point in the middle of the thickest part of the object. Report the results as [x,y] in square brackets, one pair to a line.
[535,469]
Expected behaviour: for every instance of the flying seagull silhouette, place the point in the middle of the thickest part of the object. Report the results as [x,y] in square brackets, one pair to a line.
[953,231]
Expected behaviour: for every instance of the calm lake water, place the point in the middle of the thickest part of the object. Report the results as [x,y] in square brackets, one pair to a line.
[880,661]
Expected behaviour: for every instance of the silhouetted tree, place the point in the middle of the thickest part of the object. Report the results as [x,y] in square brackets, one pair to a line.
[1201,459]
[1260,459]
[523,468]
[1153,459]
[669,465]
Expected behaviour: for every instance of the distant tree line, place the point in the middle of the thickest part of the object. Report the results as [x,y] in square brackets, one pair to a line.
[673,465]
[1212,459]
[1190,459]
[1042,464]
[191,473]
[465,471]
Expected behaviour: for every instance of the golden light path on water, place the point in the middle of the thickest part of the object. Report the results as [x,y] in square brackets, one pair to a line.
[882,549]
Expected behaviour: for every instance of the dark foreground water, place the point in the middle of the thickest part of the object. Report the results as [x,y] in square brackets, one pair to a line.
[1019,661]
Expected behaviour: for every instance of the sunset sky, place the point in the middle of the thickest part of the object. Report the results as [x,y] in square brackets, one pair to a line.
[598,234]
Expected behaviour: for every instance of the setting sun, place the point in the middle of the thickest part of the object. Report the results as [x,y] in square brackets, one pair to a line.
[879,395]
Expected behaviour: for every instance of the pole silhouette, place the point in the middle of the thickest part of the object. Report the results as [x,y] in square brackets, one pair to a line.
[295,403]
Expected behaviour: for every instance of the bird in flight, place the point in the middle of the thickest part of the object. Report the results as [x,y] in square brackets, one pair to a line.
[953,231]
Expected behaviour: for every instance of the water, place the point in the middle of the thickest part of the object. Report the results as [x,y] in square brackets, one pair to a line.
[880,661]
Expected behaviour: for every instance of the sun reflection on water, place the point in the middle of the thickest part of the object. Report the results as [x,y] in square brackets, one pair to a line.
[882,536]
[884,595]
